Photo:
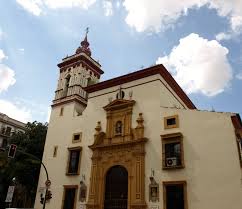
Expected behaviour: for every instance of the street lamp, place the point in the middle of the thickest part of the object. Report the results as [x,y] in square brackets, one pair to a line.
[46,172]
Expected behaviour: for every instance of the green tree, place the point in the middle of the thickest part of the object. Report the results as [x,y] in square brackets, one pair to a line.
[24,168]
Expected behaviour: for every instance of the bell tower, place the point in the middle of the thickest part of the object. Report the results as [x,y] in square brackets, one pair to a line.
[76,72]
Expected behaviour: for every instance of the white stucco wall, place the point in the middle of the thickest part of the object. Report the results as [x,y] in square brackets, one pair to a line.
[211,170]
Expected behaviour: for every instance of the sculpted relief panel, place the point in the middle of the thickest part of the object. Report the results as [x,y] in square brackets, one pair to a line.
[119,145]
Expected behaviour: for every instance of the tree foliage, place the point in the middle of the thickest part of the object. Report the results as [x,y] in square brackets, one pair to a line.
[24,168]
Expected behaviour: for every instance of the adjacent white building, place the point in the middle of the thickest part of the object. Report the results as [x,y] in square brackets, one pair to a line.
[7,127]
[136,141]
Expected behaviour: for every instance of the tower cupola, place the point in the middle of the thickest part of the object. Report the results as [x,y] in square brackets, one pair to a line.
[84,46]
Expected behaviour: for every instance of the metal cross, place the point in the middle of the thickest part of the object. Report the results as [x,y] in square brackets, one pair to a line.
[87,30]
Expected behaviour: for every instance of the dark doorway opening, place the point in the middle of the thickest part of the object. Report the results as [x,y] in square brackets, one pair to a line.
[116,188]
[69,198]
[175,197]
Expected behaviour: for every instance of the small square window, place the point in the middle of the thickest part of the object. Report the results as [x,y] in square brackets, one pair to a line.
[172,151]
[77,137]
[73,164]
[171,122]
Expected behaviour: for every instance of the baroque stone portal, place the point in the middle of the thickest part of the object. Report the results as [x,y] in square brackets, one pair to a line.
[127,149]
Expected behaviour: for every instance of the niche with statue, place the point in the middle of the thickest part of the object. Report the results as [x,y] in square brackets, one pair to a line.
[83,191]
[153,190]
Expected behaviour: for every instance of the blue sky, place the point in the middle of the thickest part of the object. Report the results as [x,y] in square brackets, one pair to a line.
[199,42]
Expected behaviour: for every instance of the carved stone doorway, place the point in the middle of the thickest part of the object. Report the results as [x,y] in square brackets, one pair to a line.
[123,146]
[116,188]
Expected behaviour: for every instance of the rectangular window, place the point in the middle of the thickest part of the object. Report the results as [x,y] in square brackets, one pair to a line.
[172,151]
[73,165]
[3,130]
[175,195]
[1,142]
[239,143]
[69,197]
[171,122]
[240,148]
[55,151]
[8,131]
[77,137]
[61,111]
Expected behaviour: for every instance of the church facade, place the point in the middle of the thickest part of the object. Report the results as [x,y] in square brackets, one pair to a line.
[135,142]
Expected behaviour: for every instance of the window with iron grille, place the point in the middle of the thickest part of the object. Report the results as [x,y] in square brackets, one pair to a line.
[172,151]
[73,165]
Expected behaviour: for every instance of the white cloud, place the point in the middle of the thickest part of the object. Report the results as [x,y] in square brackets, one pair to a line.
[236,23]
[6,77]
[239,76]
[36,7]
[32,6]
[199,65]
[21,50]
[1,33]
[54,4]
[236,29]
[38,110]
[118,4]
[159,14]
[15,111]
[2,55]
[223,36]
[6,74]
[108,8]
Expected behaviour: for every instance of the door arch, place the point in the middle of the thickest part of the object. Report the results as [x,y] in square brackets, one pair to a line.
[116,188]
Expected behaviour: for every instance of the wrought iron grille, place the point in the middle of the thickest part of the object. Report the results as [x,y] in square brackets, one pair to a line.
[115,204]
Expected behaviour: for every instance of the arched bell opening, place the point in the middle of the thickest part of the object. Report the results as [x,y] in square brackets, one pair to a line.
[66,85]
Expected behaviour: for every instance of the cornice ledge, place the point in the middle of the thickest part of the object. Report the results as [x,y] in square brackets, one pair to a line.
[69,99]
[119,104]
[131,142]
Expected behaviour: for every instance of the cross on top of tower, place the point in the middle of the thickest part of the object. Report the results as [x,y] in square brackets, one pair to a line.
[87,30]
[84,45]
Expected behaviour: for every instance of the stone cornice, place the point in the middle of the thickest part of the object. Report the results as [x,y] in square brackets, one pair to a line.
[68,99]
[121,144]
[157,69]
[13,124]
[81,58]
